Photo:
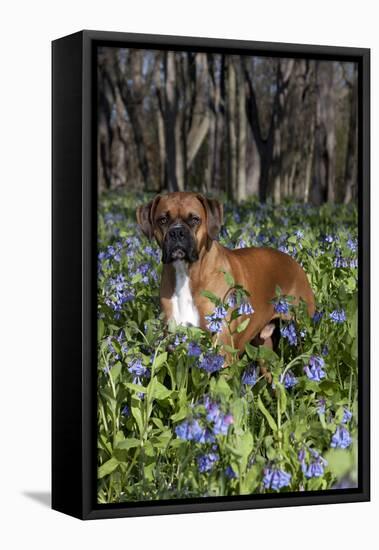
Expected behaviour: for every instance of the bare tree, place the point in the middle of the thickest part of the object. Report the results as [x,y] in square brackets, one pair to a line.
[323,188]
[268,145]
[351,165]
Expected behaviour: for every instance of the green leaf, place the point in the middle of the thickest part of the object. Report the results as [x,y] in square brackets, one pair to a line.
[107,468]
[160,360]
[137,415]
[128,443]
[100,329]
[158,390]
[180,415]
[228,278]
[243,325]
[222,388]
[212,297]
[136,387]
[251,351]
[328,387]
[282,397]
[266,414]
[115,371]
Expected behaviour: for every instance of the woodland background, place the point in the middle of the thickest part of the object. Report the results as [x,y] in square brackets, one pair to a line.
[238,125]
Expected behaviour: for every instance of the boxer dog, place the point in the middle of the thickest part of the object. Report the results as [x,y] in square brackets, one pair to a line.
[185,225]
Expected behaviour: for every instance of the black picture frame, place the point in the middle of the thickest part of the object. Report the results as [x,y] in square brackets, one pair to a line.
[74,204]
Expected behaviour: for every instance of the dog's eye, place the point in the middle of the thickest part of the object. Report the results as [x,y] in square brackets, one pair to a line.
[163,220]
[195,220]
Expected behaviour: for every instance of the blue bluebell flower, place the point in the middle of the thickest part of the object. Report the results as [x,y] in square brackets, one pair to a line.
[232,299]
[301,457]
[317,316]
[281,306]
[206,436]
[206,462]
[329,239]
[289,380]
[190,430]
[289,332]
[347,416]
[338,316]
[230,473]
[117,294]
[321,406]
[179,339]
[125,411]
[212,409]
[316,465]
[250,375]
[314,369]
[275,478]
[352,244]
[211,362]
[136,367]
[325,350]
[353,263]
[341,438]
[222,424]
[215,320]
[194,349]
[245,309]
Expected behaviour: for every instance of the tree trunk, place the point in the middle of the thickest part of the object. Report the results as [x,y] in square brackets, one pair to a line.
[242,135]
[266,145]
[200,114]
[170,111]
[351,165]
[323,188]
[232,138]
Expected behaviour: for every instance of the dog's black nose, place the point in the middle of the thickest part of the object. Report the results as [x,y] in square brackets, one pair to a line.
[176,233]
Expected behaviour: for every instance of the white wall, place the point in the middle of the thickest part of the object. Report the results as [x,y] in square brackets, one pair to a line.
[26,31]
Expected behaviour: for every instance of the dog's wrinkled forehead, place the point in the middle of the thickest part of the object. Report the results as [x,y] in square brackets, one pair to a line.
[178,206]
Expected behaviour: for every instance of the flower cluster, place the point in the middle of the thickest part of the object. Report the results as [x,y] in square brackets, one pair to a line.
[194,350]
[314,370]
[245,309]
[289,380]
[206,462]
[118,293]
[341,438]
[338,316]
[275,478]
[204,429]
[216,319]
[250,375]
[289,332]
[221,422]
[281,306]
[211,362]
[191,430]
[316,465]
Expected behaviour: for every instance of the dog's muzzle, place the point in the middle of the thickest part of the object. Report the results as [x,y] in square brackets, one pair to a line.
[179,244]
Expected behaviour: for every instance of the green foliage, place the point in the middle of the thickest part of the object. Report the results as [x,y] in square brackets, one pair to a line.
[150,384]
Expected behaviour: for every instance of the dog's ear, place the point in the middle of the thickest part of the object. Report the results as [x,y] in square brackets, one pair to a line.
[145,216]
[215,215]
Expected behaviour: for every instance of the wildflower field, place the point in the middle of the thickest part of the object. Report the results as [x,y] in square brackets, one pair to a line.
[173,420]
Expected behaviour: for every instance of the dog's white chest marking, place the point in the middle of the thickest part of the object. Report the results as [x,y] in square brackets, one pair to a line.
[184,311]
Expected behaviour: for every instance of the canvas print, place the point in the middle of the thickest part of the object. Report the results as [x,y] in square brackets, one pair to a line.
[227,285]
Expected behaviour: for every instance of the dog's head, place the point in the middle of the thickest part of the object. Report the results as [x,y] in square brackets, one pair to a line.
[183,224]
